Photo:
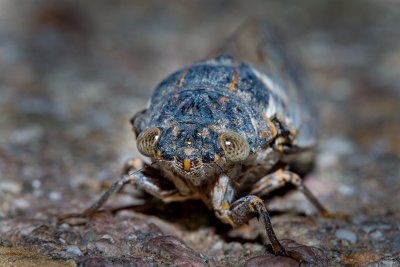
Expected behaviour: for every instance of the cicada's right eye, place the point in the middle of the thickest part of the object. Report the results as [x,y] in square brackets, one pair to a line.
[147,140]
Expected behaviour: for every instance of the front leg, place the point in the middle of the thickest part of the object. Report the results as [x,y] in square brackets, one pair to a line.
[146,179]
[244,209]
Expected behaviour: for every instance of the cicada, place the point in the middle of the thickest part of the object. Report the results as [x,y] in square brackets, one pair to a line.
[226,130]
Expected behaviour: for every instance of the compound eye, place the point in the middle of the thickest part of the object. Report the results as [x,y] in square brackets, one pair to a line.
[147,140]
[235,147]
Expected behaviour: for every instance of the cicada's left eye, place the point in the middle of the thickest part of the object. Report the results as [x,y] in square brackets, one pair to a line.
[147,140]
[235,147]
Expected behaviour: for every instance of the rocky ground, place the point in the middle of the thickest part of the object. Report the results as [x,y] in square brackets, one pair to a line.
[72,73]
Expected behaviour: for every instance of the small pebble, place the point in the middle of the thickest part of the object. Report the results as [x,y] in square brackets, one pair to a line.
[21,203]
[36,184]
[65,226]
[377,235]
[346,235]
[54,196]
[27,135]
[10,186]
[368,228]
[74,250]
[347,190]
[217,245]
[383,263]
[388,263]
[132,237]
[108,238]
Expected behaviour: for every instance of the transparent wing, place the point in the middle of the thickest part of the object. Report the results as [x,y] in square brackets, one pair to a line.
[261,44]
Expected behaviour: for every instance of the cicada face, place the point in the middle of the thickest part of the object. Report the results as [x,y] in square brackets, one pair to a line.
[193,151]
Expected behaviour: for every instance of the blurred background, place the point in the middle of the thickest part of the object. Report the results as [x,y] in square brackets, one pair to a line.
[72,74]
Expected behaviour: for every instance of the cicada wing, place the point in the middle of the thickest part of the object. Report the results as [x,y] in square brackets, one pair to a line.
[257,42]
[262,45]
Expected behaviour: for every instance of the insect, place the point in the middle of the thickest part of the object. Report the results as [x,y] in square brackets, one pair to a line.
[226,130]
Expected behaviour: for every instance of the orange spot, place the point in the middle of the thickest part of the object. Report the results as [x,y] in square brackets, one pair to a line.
[216,157]
[225,206]
[279,143]
[190,111]
[263,134]
[253,203]
[186,165]
[273,129]
[182,79]
[234,80]
[338,214]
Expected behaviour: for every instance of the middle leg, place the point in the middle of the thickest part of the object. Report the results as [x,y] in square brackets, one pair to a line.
[282,177]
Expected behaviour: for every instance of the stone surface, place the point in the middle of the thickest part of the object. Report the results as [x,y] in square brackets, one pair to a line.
[72,73]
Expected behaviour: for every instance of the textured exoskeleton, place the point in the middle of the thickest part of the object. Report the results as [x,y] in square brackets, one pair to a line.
[225,130]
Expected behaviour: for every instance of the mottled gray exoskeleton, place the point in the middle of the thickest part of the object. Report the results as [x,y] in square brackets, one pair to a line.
[225,130]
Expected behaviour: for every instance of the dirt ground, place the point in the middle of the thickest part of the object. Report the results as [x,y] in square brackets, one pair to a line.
[72,73]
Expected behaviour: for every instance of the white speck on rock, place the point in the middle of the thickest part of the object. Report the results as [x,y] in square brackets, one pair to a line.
[346,235]
[388,263]
[10,186]
[108,238]
[217,246]
[368,228]
[377,235]
[74,250]
[28,134]
[132,237]
[54,196]
[21,203]
[347,190]
[36,184]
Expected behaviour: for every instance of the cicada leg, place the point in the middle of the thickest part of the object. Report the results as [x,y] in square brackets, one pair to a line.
[146,179]
[242,210]
[282,177]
